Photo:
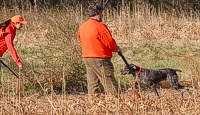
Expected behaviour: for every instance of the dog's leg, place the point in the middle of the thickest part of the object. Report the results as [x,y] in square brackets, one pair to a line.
[181,86]
[184,87]
[177,89]
[153,88]
[136,85]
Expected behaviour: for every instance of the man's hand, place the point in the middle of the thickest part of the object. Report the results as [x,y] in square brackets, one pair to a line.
[119,49]
[20,66]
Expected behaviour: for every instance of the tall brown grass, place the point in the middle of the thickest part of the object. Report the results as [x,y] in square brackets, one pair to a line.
[51,54]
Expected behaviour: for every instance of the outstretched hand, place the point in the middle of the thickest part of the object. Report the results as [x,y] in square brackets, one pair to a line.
[20,66]
[119,49]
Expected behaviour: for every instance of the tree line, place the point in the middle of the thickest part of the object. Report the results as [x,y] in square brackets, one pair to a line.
[185,5]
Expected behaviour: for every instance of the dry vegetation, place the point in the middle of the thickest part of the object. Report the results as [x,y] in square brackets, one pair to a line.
[53,66]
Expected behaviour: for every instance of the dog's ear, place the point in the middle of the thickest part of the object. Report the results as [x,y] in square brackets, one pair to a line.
[132,66]
[177,70]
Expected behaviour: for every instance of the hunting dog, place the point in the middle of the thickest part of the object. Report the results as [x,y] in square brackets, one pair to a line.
[151,77]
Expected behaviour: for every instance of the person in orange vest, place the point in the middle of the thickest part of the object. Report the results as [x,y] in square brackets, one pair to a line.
[97,47]
[7,34]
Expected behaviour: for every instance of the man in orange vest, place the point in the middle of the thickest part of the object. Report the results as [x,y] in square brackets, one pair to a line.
[97,47]
[7,34]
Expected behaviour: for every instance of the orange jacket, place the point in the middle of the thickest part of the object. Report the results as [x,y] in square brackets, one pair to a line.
[6,42]
[96,40]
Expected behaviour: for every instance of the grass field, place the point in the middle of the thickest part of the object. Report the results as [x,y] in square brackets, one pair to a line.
[51,54]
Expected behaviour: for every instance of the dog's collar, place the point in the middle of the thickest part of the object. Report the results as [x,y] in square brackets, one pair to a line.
[139,71]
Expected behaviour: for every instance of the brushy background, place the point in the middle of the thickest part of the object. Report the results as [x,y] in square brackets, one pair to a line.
[53,67]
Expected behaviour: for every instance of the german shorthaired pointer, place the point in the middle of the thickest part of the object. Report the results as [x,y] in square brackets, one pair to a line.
[151,77]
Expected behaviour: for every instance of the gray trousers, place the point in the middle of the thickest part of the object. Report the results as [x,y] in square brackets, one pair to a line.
[100,70]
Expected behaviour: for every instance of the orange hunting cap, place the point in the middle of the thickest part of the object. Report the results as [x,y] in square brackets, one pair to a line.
[19,19]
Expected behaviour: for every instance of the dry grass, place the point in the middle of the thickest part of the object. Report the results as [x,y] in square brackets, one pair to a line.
[52,58]
[128,103]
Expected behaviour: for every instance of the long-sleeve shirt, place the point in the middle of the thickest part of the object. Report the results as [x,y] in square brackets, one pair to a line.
[6,42]
[96,40]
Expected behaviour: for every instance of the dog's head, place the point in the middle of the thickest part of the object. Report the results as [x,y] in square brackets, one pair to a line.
[125,70]
[172,77]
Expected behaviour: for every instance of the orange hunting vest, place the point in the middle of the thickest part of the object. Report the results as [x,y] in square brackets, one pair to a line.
[9,30]
[96,40]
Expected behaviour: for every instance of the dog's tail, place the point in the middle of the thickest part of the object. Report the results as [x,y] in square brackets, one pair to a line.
[177,70]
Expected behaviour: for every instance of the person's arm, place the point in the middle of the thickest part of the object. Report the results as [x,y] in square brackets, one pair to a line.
[12,50]
[107,40]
